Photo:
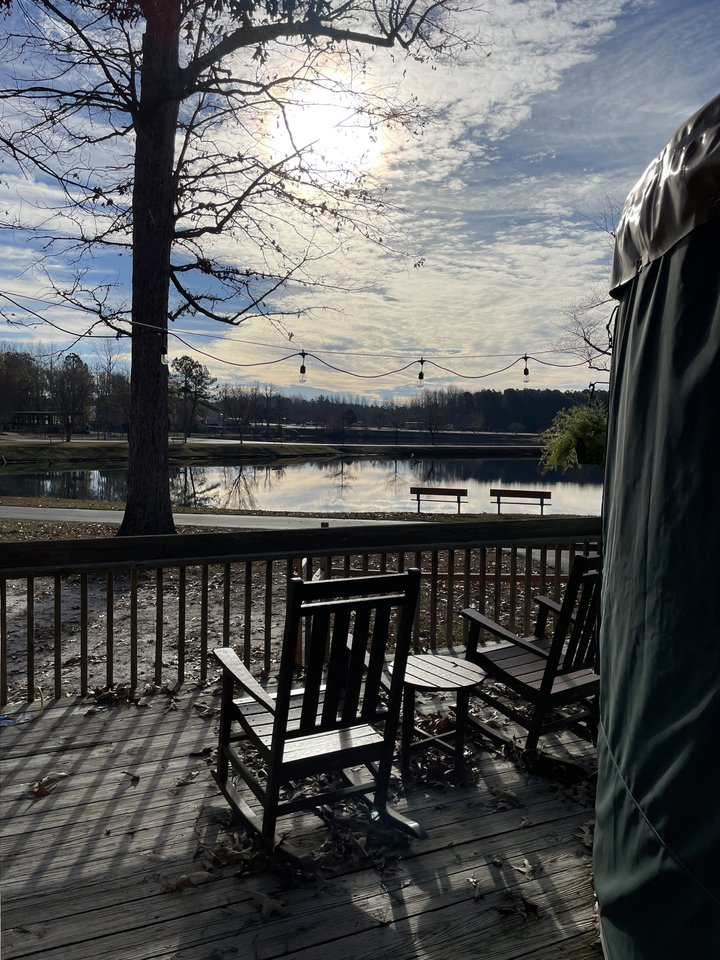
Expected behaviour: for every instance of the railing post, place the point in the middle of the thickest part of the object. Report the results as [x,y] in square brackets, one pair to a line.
[109,629]
[182,593]
[133,628]
[159,625]
[57,636]
[3,644]
[84,665]
[204,578]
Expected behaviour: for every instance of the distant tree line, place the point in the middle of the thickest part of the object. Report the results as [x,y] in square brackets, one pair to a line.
[41,394]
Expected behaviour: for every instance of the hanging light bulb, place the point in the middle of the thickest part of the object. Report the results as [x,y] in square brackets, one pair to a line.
[302,378]
[526,372]
[421,375]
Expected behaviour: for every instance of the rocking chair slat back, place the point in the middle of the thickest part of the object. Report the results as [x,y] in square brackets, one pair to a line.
[581,648]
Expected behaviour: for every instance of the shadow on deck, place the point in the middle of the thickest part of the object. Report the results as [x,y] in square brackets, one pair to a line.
[115,846]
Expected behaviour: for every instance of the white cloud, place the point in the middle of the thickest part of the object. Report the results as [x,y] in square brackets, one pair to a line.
[572,102]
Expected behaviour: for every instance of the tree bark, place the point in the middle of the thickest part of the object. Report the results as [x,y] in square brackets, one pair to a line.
[148,509]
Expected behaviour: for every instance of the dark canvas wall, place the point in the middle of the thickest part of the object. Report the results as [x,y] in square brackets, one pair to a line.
[657,841]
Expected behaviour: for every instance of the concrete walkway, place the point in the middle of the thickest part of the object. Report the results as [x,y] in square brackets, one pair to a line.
[231,521]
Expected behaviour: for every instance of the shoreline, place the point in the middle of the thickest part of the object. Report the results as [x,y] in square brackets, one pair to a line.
[24,454]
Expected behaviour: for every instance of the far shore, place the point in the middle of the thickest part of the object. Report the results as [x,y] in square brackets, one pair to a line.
[22,453]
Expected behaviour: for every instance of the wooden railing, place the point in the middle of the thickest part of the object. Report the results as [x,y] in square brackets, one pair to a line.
[80,616]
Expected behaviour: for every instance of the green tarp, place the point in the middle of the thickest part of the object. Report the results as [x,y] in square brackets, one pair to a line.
[657,840]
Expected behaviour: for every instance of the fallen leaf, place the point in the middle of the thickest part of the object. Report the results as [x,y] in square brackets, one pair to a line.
[205,710]
[381,918]
[184,882]
[585,833]
[505,799]
[527,868]
[518,904]
[187,779]
[472,879]
[268,906]
[44,787]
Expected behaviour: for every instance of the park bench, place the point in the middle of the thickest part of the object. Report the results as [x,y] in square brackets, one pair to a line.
[439,494]
[500,494]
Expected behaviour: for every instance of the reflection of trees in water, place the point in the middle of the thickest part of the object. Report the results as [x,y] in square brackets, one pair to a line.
[111,485]
[240,484]
[425,471]
[66,485]
[396,482]
[509,471]
[237,486]
[271,476]
[342,477]
[190,488]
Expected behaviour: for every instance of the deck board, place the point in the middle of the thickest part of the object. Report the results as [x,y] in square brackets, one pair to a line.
[109,867]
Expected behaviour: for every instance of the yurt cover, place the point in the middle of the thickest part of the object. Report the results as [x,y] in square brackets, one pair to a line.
[657,841]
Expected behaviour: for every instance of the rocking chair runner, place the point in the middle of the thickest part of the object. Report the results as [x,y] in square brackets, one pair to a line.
[548,672]
[329,724]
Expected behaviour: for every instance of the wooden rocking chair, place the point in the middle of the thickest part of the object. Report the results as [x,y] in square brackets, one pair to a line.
[329,724]
[549,672]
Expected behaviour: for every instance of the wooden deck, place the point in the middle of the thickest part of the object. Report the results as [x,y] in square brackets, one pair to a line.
[125,855]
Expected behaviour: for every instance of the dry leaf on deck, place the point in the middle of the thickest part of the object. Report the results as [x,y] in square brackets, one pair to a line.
[527,868]
[44,787]
[585,833]
[518,904]
[477,895]
[184,882]
[187,779]
[205,710]
[506,800]
[268,905]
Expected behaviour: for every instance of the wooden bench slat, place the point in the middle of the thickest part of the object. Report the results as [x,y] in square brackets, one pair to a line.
[438,493]
[500,493]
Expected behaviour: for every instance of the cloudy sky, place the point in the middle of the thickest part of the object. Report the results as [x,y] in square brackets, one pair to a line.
[502,199]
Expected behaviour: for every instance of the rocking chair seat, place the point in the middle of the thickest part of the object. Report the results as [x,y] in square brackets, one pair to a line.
[260,721]
[523,672]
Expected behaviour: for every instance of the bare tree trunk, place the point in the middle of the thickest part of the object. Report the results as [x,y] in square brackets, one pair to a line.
[148,509]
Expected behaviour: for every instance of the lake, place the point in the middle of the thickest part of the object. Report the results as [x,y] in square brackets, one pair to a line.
[330,486]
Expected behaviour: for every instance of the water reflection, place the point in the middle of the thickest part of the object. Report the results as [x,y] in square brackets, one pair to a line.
[333,486]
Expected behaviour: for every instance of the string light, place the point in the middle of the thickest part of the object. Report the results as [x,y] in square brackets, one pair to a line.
[165,360]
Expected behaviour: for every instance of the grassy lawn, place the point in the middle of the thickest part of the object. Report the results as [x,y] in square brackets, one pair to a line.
[21,453]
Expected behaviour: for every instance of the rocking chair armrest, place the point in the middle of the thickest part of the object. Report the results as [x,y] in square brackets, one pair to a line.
[480,620]
[231,662]
[475,617]
[548,602]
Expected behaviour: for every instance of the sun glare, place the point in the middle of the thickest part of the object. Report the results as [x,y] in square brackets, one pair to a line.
[328,128]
